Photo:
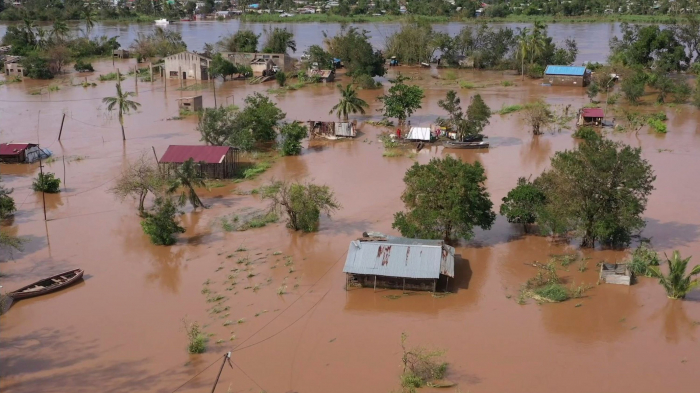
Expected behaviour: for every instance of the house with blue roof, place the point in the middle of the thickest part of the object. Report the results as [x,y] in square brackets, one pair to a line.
[558,75]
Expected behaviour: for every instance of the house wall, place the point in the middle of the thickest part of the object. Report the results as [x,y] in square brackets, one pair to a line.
[13,159]
[281,60]
[565,80]
[193,103]
[194,66]
[14,69]
[366,280]
[225,170]
[260,68]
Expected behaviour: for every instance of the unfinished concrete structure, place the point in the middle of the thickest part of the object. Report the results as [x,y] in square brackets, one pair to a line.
[193,103]
[13,66]
[281,60]
[187,65]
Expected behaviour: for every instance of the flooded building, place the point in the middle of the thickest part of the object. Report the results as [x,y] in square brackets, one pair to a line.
[322,75]
[281,60]
[590,116]
[557,75]
[17,153]
[213,162]
[261,66]
[333,129]
[121,53]
[187,65]
[399,263]
[193,103]
[13,67]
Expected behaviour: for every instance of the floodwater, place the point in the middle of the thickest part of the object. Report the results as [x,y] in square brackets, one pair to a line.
[592,38]
[121,329]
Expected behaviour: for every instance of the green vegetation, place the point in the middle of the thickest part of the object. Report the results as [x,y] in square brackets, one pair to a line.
[506,109]
[402,100]
[241,41]
[523,203]
[159,224]
[245,222]
[641,259]
[352,46]
[279,40]
[159,43]
[657,125]
[138,179]
[81,66]
[349,103]
[196,338]
[420,366]
[186,177]
[458,200]
[676,283]
[10,243]
[292,134]
[112,76]
[538,115]
[546,286]
[586,133]
[221,67]
[47,182]
[7,203]
[257,169]
[122,103]
[281,78]
[470,124]
[302,203]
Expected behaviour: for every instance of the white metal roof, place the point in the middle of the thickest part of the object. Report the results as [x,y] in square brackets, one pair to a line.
[419,133]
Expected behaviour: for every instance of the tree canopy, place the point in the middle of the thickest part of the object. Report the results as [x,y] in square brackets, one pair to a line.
[648,46]
[445,198]
[303,203]
[523,203]
[279,40]
[242,41]
[402,99]
[353,48]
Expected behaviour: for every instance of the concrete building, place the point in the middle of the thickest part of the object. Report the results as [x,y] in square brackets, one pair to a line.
[262,66]
[557,75]
[193,103]
[13,66]
[187,65]
[281,60]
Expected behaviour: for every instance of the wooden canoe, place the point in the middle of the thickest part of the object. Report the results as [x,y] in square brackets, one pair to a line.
[48,285]
[466,145]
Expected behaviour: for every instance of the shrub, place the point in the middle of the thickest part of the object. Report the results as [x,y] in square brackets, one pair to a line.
[36,67]
[47,182]
[196,340]
[303,203]
[281,78]
[553,292]
[81,66]
[643,257]
[586,133]
[7,203]
[420,366]
[676,283]
[160,225]
[658,126]
[292,134]
[365,81]
[535,71]
[612,98]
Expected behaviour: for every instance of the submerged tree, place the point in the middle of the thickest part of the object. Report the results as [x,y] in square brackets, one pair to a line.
[352,46]
[292,134]
[138,179]
[676,283]
[523,203]
[445,198]
[121,103]
[261,116]
[160,224]
[599,190]
[279,40]
[476,118]
[47,182]
[538,115]
[478,115]
[221,67]
[349,103]
[187,176]
[303,203]
[402,100]
[242,41]
[222,127]
[7,203]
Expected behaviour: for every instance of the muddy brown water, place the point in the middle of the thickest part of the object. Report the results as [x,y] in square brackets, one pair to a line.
[121,329]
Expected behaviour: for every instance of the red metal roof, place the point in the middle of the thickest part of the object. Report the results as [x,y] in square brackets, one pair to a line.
[182,153]
[593,112]
[11,149]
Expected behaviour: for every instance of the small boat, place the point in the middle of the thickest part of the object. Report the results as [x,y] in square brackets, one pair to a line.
[425,65]
[162,22]
[466,145]
[185,20]
[48,285]
[473,138]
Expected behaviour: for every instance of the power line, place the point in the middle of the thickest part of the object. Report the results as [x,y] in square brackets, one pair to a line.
[196,375]
[246,374]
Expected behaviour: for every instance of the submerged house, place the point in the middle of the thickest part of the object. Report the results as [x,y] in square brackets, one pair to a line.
[322,75]
[187,65]
[282,60]
[13,66]
[332,129]
[213,162]
[22,152]
[398,262]
[557,75]
[590,116]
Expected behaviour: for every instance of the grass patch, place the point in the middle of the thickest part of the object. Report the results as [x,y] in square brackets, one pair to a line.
[257,169]
[184,112]
[466,85]
[192,87]
[553,293]
[381,123]
[506,109]
[507,83]
[112,76]
[196,339]
[546,286]
[641,259]
[243,222]
[658,126]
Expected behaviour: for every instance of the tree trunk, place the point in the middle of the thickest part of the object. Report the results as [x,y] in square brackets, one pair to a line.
[142,199]
[121,122]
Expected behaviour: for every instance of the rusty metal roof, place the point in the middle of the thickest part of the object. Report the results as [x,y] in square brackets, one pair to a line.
[593,112]
[182,153]
[11,149]
[401,257]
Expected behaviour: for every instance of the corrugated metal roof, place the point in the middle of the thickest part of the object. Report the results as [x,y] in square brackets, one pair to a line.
[593,112]
[11,149]
[401,257]
[564,70]
[419,133]
[182,153]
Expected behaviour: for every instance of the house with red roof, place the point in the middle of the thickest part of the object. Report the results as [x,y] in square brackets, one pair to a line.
[19,152]
[590,116]
[213,162]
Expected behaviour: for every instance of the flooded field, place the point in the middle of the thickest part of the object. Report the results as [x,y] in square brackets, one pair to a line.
[121,329]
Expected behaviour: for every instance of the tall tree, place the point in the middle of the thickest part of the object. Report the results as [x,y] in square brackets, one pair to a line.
[138,179]
[303,203]
[402,100]
[122,103]
[59,31]
[186,177]
[349,102]
[89,15]
[221,67]
[523,203]
[7,203]
[676,283]
[279,40]
[478,115]
[451,104]
[222,126]
[599,191]
[444,199]
[262,116]
[242,41]
[352,46]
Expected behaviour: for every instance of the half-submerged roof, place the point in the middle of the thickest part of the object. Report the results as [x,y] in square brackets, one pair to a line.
[564,70]
[593,112]
[182,153]
[10,149]
[401,257]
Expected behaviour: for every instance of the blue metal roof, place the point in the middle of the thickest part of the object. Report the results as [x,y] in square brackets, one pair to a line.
[564,70]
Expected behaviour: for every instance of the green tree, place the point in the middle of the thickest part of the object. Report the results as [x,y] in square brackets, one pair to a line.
[242,41]
[303,203]
[523,203]
[261,115]
[138,179]
[353,48]
[451,104]
[319,56]
[186,177]
[222,126]
[89,15]
[279,40]
[598,190]
[281,78]
[349,103]
[292,134]
[676,283]
[445,198]
[478,115]
[160,224]
[592,91]
[47,182]
[36,66]
[633,86]
[59,31]
[121,103]
[539,115]
[221,67]
[7,203]
[402,100]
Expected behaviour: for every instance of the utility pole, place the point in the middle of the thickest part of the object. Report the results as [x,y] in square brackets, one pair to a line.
[42,182]
[214,80]
[227,357]
[61,130]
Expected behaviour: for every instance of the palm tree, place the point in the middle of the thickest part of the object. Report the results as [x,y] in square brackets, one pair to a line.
[59,30]
[676,283]
[523,44]
[89,15]
[42,39]
[122,102]
[349,102]
[29,31]
[187,176]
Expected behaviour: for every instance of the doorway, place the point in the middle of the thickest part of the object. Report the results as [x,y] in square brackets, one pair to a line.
[184,75]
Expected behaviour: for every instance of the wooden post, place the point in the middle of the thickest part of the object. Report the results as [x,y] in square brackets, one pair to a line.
[61,130]
[150,68]
[375,283]
[179,74]
[403,289]
[43,195]
[136,77]
[228,356]
[64,172]
[154,153]
[346,281]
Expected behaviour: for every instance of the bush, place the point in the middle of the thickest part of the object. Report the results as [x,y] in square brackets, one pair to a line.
[658,126]
[612,98]
[586,133]
[36,67]
[682,92]
[420,366]
[281,78]
[535,71]
[365,81]
[80,66]
[553,292]
[7,203]
[292,134]
[196,340]
[160,225]
[47,182]
[643,257]
[303,203]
